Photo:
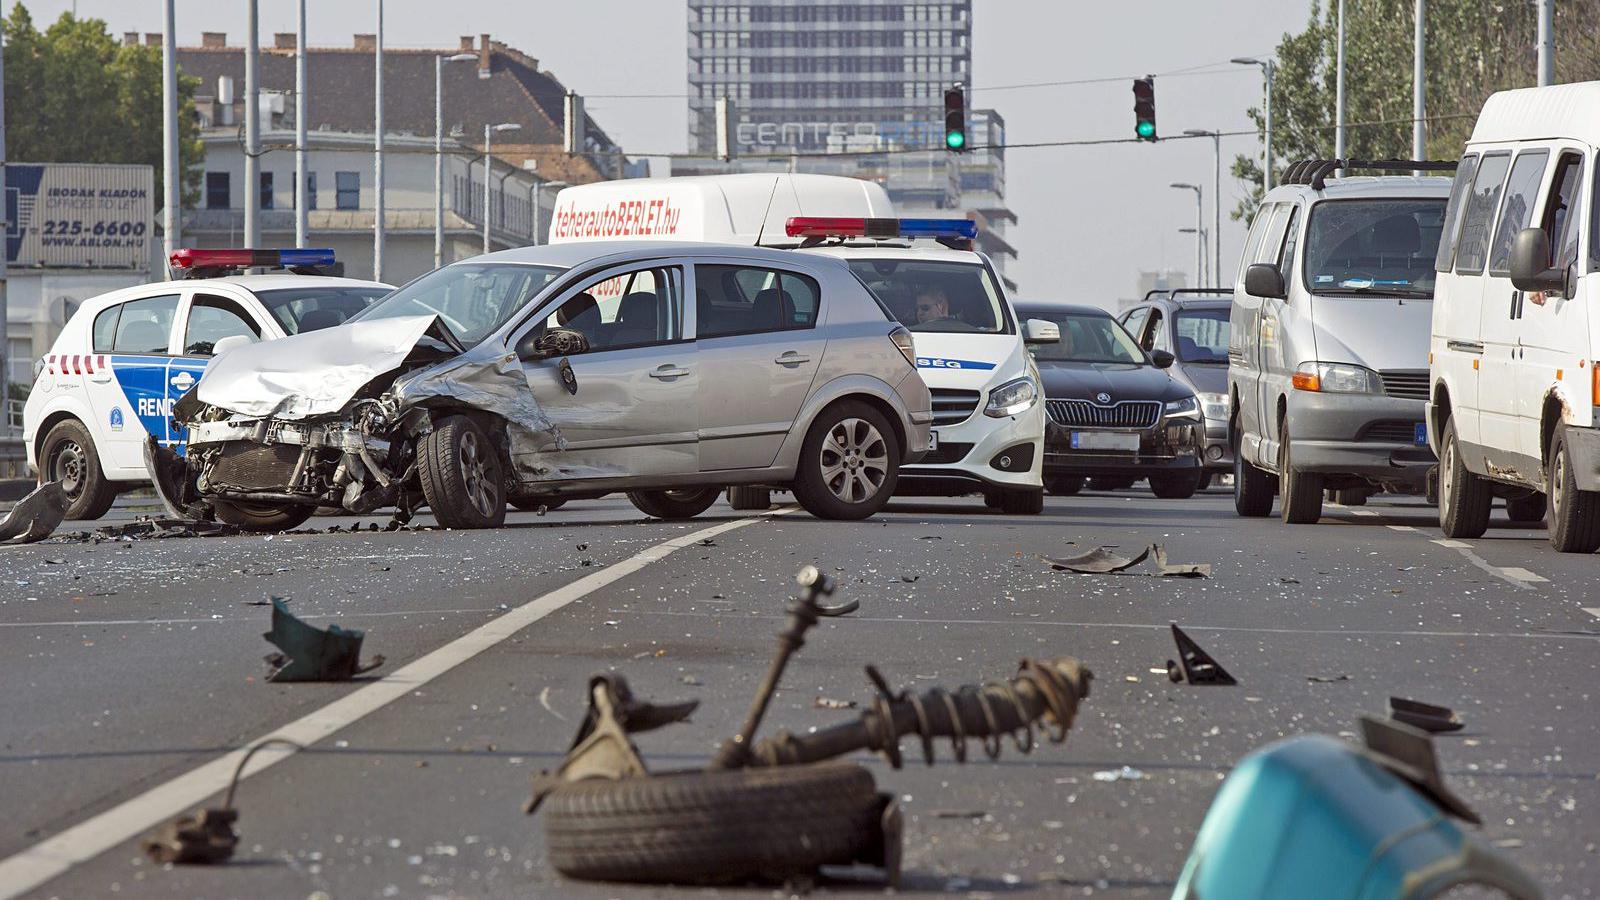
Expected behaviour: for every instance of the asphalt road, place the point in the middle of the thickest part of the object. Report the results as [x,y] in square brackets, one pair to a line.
[129,667]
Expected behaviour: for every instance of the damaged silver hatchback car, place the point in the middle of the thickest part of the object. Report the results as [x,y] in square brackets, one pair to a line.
[561,372]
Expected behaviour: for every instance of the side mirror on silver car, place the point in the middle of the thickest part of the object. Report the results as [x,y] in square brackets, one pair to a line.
[1530,264]
[1264,280]
[1041,331]
[552,343]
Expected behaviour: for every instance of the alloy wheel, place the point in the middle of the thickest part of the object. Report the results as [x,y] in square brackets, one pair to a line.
[855,460]
[1447,476]
[473,474]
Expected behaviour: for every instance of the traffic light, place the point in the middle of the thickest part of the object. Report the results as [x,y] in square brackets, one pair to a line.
[1144,108]
[955,120]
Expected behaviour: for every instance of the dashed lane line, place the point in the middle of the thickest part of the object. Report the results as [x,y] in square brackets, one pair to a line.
[1401,528]
[1516,576]
[56,855]
[1521,574]
[1452,543]
[1593,611]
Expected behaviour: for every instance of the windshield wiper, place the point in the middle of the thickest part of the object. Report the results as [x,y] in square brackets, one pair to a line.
[1375,290]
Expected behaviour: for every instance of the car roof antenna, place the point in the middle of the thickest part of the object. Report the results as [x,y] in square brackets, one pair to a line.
[762,228]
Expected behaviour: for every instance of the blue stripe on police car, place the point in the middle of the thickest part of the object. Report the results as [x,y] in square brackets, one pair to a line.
[937,362]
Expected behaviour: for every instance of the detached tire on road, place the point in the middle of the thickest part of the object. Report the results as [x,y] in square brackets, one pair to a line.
[462,478]
[261,516]
[718,826]
[680,504]
[849,464]
[1464,498]
[1574,514]
[1179,486]
[68,456]
[745,497]
[1252,488]
[1301,500]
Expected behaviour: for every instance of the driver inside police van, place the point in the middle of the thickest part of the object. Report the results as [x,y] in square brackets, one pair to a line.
[933,309]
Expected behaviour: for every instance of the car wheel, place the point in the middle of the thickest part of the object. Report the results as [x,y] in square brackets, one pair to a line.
[461,475]
[1574,514]
[849,463]
[1302,491]
[1022,502]
[1526,510]
[1464,498]
[1252,488]
[1064,485]
[1205,480]
[68,456]
[532,504]
[1350,496]
[1175,487]
[680,504]
[744,497]
[261,516]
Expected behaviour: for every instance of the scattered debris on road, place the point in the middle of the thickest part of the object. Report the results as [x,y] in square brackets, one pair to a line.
[1101,561]
[36,515]
[831,703]
[207,836]
[1164,569]
[1430,718]
[1125,773]
[1195,665]
[310,653]
[1326,679]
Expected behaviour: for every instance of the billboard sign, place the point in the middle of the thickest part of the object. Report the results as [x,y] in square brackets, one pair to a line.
[79,216]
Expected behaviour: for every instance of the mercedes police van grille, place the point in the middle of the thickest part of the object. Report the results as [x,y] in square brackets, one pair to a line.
[952,406]
[252,467]
[1083,414]
[1411,384]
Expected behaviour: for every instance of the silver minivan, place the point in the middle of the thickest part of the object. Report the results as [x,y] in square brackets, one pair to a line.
[665,370]
[1328,338]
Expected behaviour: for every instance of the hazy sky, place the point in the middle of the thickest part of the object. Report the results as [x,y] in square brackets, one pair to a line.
[1090,217]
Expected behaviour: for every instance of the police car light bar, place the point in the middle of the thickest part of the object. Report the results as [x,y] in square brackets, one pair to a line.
[823,227]
[190,258]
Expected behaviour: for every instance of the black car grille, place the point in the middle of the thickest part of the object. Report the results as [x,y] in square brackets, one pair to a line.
[1083,414]
[1391,432]
[1412,384]
[952,406]
[946,453]
[252,467]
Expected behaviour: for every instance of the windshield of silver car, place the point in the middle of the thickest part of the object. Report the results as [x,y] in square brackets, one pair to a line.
[1378,247]
[930,295]
[1087,339]
[472,299]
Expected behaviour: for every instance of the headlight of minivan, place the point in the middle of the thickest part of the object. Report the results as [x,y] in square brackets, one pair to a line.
[1182,408]
[1337,378]
[1012,397]
[1215,406]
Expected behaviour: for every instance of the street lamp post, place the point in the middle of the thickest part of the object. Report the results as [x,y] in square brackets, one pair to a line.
[169,133]
[377,152]
[1199,217]
[488,167]
[252,129]
[1267,68]
[301,201]
[1419,134]
[1338,87]
[1216,199]
[1204,236]
[438,151]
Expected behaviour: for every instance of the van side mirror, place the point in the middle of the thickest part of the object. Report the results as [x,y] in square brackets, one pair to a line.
[1530,264]
[1162,359]
[1041,331]
[555,342]
[1264,280]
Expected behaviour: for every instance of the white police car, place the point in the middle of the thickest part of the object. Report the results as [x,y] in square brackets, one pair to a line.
[122,361]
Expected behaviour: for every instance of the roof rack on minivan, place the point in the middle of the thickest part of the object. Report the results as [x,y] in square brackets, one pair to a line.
[1315,172]
[1174,293]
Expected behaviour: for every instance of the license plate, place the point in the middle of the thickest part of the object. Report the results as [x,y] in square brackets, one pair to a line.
[1421,436]
[933,440]
[1104,440]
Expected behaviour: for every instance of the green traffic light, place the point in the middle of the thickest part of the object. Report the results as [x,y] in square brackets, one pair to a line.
[1146,129]
[955,140]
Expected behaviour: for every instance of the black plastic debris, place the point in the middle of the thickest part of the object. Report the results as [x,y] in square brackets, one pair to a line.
[36,515]
[1164,569]
[1195,665]
[156,529]
[1326,679]
[310,653]
[207,836]
[1408,752]
[1099,561]
[1425,716]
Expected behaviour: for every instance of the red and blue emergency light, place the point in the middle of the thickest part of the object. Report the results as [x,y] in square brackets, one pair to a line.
[288,258]
[826,227]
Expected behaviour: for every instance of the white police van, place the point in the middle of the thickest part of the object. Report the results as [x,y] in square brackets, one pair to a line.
[124,358]
[969,344]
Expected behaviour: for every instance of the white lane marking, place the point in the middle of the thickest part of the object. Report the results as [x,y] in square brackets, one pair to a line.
[1362,512]
[1494,570]
[1593,611]
[54,856]
[1521,574]
[1400,528]
[1452,544]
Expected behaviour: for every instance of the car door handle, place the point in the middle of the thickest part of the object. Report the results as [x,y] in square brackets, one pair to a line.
[668,371]
[792,358]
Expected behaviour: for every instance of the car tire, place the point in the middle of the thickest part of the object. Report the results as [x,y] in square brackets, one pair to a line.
[716,826]
[1301,503]
[68,455]
[1252,488]
[745,497]
[1206,478]
[461,474]
[1064,485]
[1526,510]
[827,484]
[1349,496]
[1464,498]
[1175,487]
[1110,484]
[1022,502]
[680,504]
[1574,515]
[261,517]
[532,504]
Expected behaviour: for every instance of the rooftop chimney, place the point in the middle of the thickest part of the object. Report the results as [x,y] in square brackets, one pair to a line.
[284,40]
[213,40]
[466,43]
[152,38]
[367,42]
[483,55]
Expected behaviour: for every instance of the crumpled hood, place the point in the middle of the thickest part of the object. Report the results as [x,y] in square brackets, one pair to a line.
[313,374]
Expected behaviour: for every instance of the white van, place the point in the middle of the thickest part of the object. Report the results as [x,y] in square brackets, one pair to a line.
[970,346]
[1514,383]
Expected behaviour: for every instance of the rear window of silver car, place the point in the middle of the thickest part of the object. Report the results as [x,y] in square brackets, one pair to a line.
[472,299]
[936,295]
